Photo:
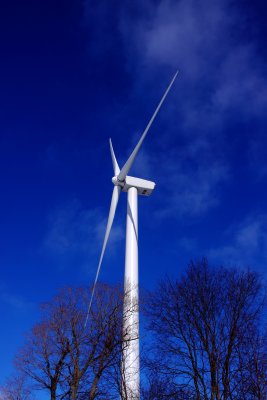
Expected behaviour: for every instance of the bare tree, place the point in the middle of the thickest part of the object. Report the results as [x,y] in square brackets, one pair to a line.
[252,358]
[93,351]
[162,387]
[46,348]
[68,359]
[201,323]
[16,388]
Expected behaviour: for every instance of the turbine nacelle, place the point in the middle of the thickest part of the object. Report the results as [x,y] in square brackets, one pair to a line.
[144,187]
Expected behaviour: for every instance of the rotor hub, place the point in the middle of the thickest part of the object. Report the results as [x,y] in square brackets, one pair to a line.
[116,182]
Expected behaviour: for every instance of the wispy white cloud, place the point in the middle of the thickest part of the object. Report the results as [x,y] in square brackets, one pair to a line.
[74,231]
[14,301]
[258,154]
[192,193]
[222,79]
[242,83]
[222,75]
[247,243]
[188,177]
[182,33]
[200,38]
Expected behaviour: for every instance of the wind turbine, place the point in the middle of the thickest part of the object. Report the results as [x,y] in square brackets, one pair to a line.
[133,187]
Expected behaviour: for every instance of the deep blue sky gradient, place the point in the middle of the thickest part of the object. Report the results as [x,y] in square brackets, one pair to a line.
[73,74]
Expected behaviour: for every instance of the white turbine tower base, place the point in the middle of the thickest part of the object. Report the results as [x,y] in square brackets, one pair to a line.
[130,357]
[134,187]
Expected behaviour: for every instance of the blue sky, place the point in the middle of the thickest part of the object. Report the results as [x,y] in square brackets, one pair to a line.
[73,74]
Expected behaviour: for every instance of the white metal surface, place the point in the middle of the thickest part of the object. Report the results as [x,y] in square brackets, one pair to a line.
[130,361]
[144,187]
[113,205]
[116,167]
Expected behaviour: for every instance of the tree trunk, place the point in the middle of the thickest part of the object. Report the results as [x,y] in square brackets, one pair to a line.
[74,390]
[53,390]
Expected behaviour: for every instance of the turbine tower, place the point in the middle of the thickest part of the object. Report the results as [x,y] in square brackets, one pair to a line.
[133,187]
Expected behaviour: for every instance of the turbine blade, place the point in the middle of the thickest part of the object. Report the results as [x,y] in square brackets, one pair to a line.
[112,210]
[116,168]
[125,169]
